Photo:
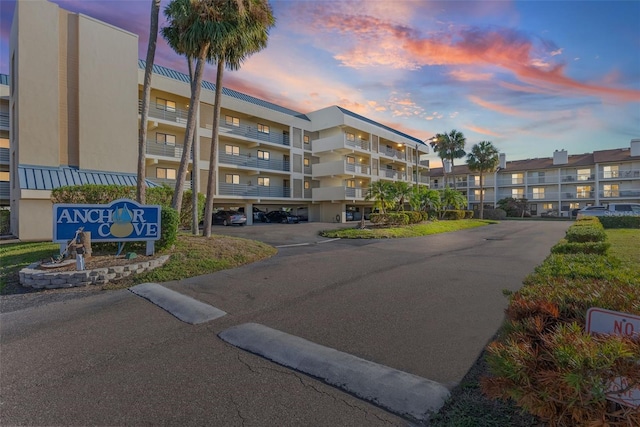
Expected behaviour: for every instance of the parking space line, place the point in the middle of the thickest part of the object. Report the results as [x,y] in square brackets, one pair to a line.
[399,392]
[185,308]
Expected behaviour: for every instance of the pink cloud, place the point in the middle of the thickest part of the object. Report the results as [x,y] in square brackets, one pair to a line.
[468,76]
[482,131]
[495,107]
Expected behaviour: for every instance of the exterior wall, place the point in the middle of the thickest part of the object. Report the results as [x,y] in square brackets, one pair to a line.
[107,97]
[34,221]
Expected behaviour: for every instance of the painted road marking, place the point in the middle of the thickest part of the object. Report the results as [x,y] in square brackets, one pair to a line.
[399,392]
[185,308]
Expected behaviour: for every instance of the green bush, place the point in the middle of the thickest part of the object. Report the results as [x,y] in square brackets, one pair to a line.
[582,234]
[494,214]
[565,247]
[390,218]
[620,221]
[588,220]
[453,214]
[5,224]
[415,217]
[169,232]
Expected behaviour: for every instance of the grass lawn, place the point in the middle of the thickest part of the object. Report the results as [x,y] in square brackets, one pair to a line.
[414,230]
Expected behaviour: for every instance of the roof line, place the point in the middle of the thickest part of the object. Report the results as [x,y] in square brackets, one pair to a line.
[373,122]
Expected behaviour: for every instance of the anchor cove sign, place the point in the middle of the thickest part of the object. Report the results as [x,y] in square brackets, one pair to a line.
[121,220]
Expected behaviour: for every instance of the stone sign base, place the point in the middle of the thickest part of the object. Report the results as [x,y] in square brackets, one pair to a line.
[32,277]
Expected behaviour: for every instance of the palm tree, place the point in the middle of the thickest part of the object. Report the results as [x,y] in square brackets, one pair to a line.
[189,30]
[484,157]
[424,199]
[241,29]
[450,198]
[381,192]
[401,192]
[449,147]
[146,95]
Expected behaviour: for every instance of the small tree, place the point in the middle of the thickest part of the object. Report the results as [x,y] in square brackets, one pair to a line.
[451,198]
[449,147]
[483,158]
[382,193]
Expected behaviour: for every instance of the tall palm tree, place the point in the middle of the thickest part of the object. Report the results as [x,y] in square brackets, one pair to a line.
[381,192]
[141,193]
[401,193]
[484,157]
[242,29]
[188,33]
[449,147]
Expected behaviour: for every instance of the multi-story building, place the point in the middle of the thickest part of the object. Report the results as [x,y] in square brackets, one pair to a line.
[554,185]
[72,111]
[4,141]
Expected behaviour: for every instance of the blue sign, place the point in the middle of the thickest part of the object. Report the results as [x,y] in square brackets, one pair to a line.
[121,220]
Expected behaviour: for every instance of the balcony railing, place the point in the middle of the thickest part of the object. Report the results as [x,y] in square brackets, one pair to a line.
[4,190]
[620,174]
[357,168]
[169,182]
[253,133]
[4,120]
[253,162]
[355,192]
[242,190]
[4,156]
[619,194]
[157,148]
[393,153]
[391,174]
[338,193]
[358,143]
[159,111]
[538,180]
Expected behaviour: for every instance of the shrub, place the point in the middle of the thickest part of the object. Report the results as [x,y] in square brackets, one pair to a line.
[495,214]
[5,218]
[582,234]
[588,220]
[415,217]
[453,214]
[620,221]
[390,218]
[565,247]
[169,232]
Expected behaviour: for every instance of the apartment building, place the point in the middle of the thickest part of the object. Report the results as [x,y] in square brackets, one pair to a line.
[72,120]
[4,141]
[554,185]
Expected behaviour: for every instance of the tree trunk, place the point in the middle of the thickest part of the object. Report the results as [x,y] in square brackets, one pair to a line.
[214,151]
[195,185]
[176,202]
[141,194]
[481,197]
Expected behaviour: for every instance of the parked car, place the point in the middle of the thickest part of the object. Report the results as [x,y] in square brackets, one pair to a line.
[282,217]
[229,218]
[612,209]
[257,213]
[575,212]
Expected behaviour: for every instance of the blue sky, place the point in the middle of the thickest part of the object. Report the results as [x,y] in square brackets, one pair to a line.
[529,76]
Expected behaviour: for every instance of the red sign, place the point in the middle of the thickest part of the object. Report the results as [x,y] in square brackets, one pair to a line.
[601,321]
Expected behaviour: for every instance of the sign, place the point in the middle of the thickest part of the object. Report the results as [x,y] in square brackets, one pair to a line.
[602,321]
[120,221]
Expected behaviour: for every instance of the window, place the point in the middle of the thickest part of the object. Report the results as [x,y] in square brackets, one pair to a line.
[263,128]
[547,206]
[232,150]
[351,160]
[350,136]
[574,205]
[307,185]
[164,138]
[517,193]
[611,190]
[306,139]
[517,178]
[4,176]
[165,173]
[232,121]
[264,182]
[351,183]
[538,192]
[584,174]
[476,180]
[476,194]
[306,162]
[583,191]
[263,155]
[232,178]
[610,171]
[164,104]
[4,143]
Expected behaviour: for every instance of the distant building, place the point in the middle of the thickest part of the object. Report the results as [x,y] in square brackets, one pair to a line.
[554,185]
[72,118]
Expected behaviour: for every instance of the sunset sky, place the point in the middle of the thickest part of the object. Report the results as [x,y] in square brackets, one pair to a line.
[529,76]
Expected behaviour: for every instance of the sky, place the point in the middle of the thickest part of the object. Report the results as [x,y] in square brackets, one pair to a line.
[529,76]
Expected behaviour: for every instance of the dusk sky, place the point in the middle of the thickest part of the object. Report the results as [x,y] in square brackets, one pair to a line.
[529,76]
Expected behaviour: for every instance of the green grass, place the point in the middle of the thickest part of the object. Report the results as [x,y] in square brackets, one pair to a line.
[16,256]
[624,244]
[415,230]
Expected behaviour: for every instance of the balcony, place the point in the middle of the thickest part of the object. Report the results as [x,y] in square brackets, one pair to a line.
[392,174]
[503,182]
[393,153]
[4,156]
[539,180]
[4,120]
[338,193]
[620,174]
[339,168]
[4,190]
[577,195]
[156,148]
[158,111]
[619,194]
[252,133]
[251,162]
[547,195]
[169,182]
[254,191]
[340,143]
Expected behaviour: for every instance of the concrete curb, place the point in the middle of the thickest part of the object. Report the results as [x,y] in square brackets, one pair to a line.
[181,306]
[399,392]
